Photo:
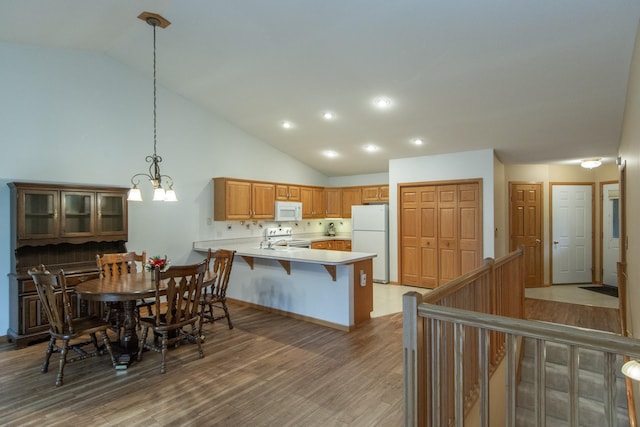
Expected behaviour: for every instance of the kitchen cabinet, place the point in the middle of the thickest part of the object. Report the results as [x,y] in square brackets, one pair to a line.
[62,227]
[377,193]
[51,214]
[322,244]
[242,200]
[351,196]
[342,245]
[333,203]
[312,202]
[332,245]
[286,192]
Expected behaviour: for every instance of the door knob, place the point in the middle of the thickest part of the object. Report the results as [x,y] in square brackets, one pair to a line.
[538,241]
[555,242]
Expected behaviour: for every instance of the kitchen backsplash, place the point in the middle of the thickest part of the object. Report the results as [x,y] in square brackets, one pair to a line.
[243,229]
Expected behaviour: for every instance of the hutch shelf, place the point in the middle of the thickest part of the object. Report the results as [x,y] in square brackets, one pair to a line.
[62,227]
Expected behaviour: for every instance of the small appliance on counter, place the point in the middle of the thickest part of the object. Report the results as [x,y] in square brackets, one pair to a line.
[331,229]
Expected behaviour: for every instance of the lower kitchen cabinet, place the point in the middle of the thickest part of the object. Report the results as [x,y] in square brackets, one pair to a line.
[332,245]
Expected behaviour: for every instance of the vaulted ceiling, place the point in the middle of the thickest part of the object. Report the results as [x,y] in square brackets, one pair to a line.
[539,81]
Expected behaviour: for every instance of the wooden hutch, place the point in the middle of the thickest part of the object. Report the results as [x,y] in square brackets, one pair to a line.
[62,227]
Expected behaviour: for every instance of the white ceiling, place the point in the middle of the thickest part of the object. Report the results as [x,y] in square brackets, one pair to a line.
[539,81]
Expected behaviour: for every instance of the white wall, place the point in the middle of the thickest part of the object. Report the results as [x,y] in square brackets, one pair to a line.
[466,165]
[630,153]
[76,117]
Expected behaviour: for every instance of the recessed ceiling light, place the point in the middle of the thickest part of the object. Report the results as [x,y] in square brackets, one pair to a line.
[330,153]
[382,102]
[328,115]
[371,148]
[286,124]
[418,141]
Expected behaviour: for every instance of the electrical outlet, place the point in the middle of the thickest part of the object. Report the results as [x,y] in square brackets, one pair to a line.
[209,222]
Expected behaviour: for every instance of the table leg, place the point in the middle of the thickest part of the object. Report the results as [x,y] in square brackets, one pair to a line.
[129,337]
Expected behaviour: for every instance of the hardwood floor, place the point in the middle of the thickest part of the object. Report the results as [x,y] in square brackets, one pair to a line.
[269,370]
[584,316]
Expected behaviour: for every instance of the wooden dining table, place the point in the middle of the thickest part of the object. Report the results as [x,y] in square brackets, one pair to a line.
[127,289]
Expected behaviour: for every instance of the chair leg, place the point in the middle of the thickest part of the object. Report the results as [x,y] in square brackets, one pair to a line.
[142,341]
[47,356]
[107,344]
[201,322]
[163,362]
[226,314]
[63,361]
[199,340]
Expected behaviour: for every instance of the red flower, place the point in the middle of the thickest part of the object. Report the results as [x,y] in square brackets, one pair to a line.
[157,262]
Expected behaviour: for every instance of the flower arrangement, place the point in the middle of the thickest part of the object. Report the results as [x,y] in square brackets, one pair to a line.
[157,262]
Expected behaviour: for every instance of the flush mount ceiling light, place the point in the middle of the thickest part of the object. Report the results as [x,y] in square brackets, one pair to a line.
[286,124]
[330,153]
[328,115]
[371,148]
[631,369]
[591,163]
[382,102]
[154,176]
[418,141]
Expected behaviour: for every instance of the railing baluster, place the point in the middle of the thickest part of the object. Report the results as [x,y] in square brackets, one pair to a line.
[458,374]
[483,365]
[574,373]
[610,388]
[436,387]
[540,382]
[511,350]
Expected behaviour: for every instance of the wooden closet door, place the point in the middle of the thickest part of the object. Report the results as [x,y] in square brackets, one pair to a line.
[409,242]
[470,238]
[428,236]
[449,267]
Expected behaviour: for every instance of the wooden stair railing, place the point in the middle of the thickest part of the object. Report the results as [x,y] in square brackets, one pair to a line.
[495,288]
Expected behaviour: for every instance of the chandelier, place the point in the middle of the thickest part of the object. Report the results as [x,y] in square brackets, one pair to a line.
[154,176]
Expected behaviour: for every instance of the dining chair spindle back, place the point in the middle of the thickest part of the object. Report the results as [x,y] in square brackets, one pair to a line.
[56,302]
[181,287]
[215,295]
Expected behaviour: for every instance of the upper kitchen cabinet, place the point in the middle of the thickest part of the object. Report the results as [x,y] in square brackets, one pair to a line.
[351,196]
[286,192]
[376,193]
[333,202]
[240,200]
[312,202]
[44,214]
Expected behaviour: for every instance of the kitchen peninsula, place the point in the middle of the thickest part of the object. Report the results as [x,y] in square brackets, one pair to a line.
[331,288]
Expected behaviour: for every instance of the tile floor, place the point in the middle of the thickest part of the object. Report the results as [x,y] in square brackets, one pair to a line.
[387,299]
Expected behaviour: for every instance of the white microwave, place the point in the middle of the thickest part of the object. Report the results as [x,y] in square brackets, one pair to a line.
[288,211]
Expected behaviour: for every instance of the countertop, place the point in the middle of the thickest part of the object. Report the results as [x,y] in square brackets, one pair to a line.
[251,248]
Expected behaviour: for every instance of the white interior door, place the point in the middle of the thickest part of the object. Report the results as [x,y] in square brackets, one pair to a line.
[610,233]
[572,234]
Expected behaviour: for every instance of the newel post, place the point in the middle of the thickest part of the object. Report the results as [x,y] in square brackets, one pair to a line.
[410,352]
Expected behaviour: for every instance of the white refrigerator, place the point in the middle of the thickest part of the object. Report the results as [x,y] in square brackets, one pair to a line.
[370,233]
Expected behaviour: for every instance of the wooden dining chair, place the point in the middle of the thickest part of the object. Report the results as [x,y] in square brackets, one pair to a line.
[116,264]
[215,295]
[56,303]
[180,288]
